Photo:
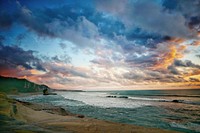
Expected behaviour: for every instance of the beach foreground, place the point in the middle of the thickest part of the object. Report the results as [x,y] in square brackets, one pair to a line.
[28,117]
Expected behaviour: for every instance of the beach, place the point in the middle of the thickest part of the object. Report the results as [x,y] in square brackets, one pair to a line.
[29,117]
[169,110]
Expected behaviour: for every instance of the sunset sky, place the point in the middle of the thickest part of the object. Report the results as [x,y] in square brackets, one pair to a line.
[102,44]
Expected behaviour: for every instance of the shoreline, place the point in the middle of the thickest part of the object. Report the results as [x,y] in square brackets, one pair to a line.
[48,118]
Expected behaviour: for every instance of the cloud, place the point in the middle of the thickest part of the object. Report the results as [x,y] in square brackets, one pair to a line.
[19,38]
[62,58]
[166,55]
[158,58]
[173,70]
[185,70]
[6,20]
[103,62]
[57,23]
[64,69]
[112,6]
[129,46]
[144,61]
[63,45]
[79,28]
[14,56]
[186,63]
[2,38]
[198,56]
[87,28]
[153,18]
[149,16]
[194,80]
[188,8]
[127,42]
[136,76]
[195,43]
[150,76]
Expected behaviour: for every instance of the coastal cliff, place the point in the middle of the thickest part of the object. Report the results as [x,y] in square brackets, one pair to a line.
[14,85]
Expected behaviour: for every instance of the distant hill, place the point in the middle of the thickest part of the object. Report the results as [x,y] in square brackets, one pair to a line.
[14,85]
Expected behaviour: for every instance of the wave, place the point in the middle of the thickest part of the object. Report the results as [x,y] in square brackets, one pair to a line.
[102,101]
[156,99]
[168,95]
[188,126]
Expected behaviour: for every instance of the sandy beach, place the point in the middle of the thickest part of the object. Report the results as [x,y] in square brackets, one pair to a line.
[46,118]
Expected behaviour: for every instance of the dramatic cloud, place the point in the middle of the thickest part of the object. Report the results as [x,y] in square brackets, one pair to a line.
[159,58]
[56,23]
[13,56]
[101,43]
[186,63]
[149,16]
[148,76]
[64,69]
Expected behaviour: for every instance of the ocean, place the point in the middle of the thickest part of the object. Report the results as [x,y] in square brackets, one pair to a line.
[177,110]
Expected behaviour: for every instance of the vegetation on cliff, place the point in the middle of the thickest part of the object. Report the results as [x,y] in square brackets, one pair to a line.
[14,86]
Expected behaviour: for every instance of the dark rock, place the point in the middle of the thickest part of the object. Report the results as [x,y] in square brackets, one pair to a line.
[46,92]
[177,101]
[111,96]
[80,116]
[52,94]
[123,97]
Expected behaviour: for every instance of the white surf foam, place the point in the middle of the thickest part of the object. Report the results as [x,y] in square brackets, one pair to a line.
[100,100]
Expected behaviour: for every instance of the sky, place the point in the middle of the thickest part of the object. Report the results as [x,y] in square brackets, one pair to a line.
[102,44]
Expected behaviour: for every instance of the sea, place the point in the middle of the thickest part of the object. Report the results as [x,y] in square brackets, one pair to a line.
[177,110]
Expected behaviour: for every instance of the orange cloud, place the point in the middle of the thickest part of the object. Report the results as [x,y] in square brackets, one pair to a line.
[166,58]
[171,50]
[8,72]
[194,73]
[195,43]
[176,40]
